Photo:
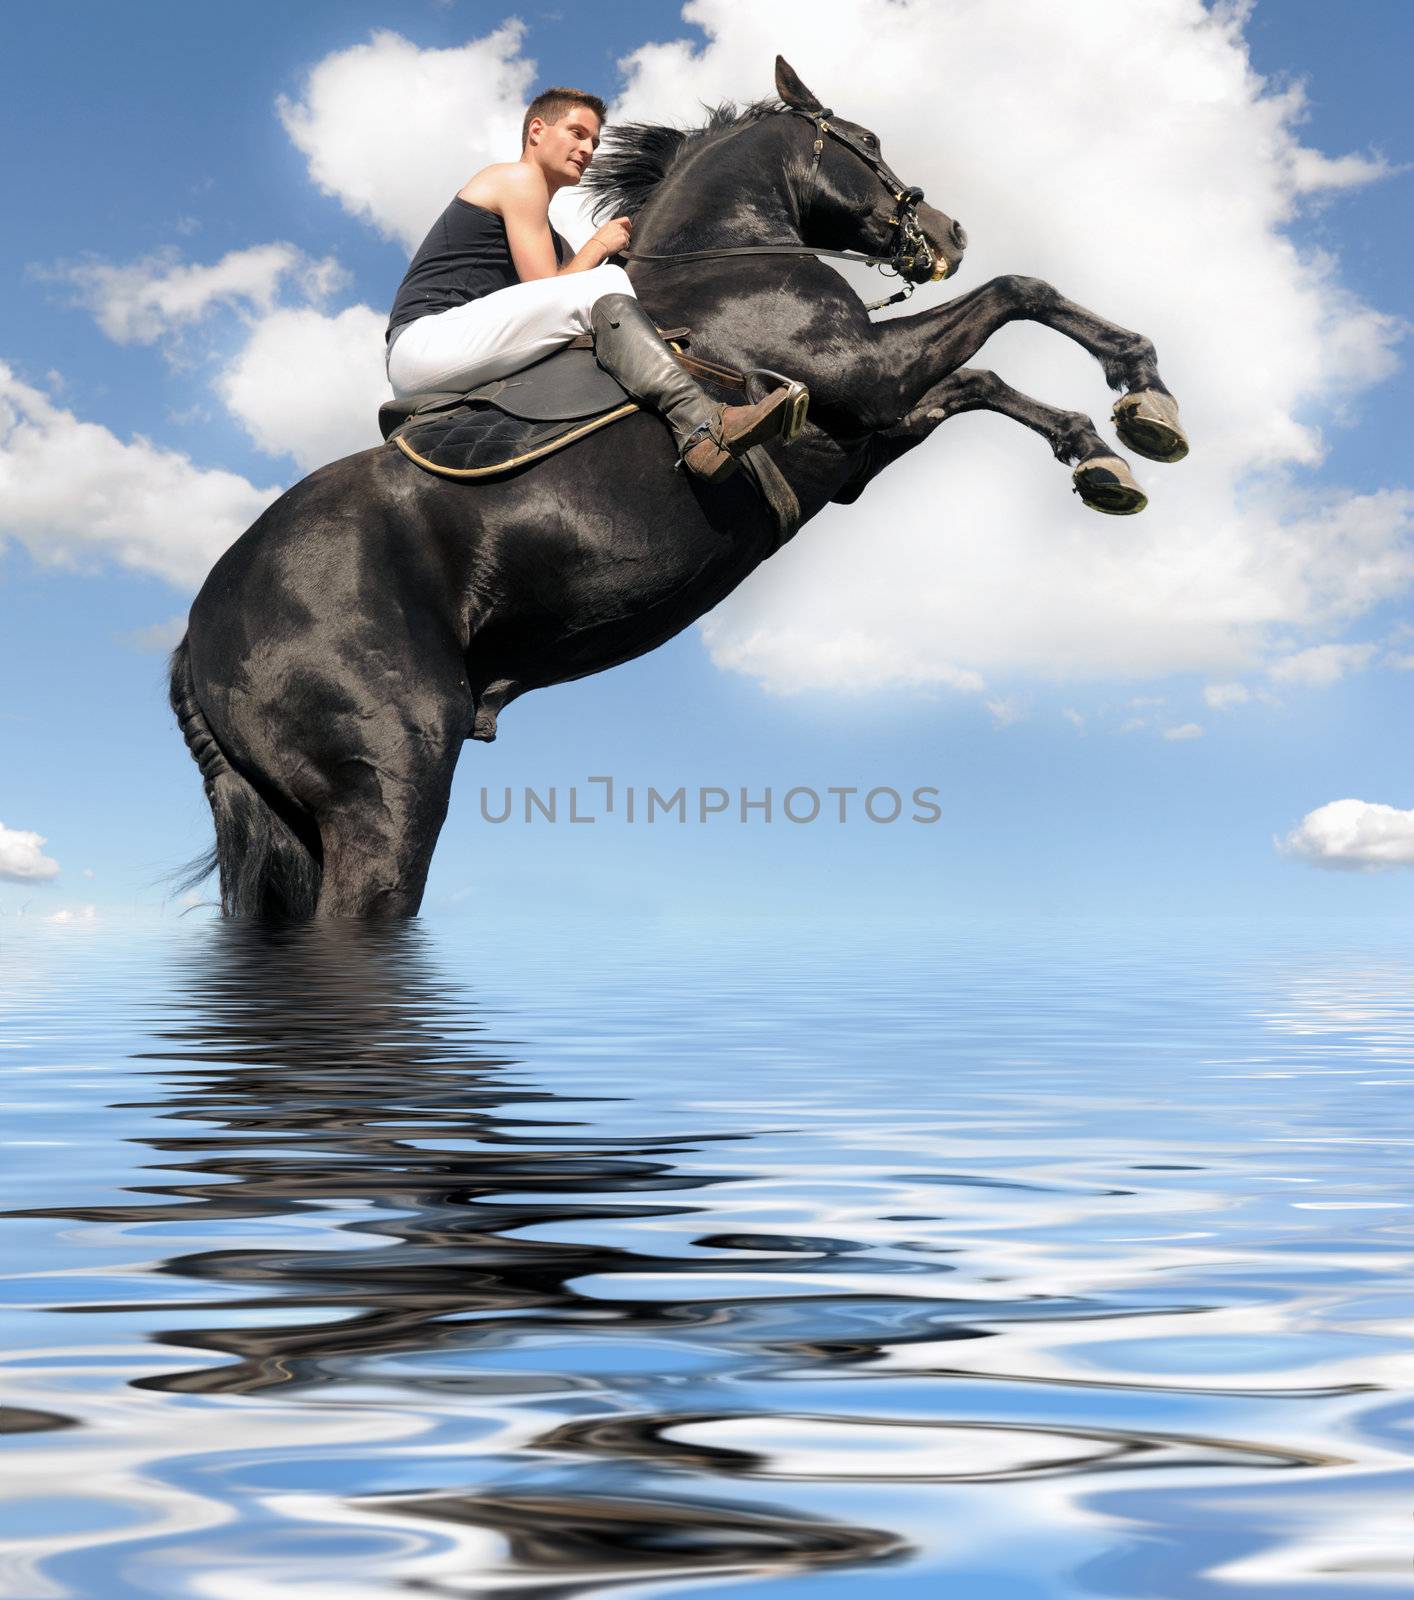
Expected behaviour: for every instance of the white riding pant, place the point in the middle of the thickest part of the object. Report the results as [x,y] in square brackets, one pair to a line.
[499,333]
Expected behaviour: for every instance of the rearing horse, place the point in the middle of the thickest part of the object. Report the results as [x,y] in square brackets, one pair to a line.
[375,616]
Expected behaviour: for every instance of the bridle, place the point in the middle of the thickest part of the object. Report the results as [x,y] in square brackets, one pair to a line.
[914,253]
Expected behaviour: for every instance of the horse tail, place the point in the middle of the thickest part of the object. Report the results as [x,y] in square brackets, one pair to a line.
[266,869]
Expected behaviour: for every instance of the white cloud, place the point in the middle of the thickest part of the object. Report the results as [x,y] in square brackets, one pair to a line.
[140,301]
[75,494]
[309,385]
[303,383]
[1005,712]
[971,556]
[1224,696]
[1322,664]
[851,661]
[1313,173]
[74,914]
[158,637]
[393,131]
[1185,730]
[22,858]
[1353,836]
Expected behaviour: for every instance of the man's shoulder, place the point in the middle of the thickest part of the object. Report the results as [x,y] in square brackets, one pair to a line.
[512,181]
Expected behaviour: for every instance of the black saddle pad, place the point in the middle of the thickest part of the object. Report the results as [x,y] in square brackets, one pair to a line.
[478,439]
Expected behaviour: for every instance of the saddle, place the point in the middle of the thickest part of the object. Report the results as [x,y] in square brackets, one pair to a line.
[525,416]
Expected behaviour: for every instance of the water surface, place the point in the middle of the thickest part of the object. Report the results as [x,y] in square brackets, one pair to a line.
[1039,1260]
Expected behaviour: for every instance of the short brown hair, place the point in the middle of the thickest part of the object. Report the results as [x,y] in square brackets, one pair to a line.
[552,104]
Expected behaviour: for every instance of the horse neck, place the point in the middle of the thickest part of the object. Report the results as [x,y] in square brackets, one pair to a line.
[733,191]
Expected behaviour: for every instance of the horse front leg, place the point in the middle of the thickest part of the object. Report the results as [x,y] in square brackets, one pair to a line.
[920,349]
[1101,478]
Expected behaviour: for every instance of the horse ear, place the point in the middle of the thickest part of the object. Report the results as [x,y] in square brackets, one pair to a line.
[792,90]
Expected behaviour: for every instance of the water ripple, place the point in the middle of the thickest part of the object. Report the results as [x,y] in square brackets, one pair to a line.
[577,1261]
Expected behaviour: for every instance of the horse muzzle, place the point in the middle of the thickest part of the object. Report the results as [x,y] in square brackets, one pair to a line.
[943,241]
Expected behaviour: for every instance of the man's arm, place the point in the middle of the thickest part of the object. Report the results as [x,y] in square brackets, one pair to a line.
[524,208]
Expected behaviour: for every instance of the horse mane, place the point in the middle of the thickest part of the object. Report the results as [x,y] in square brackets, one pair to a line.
[639,155]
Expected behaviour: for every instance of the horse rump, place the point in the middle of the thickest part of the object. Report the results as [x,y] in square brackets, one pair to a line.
[266,870]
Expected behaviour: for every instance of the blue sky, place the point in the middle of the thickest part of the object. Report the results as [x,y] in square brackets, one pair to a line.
[150,134]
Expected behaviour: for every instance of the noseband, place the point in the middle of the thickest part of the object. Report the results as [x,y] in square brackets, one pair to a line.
[913,252]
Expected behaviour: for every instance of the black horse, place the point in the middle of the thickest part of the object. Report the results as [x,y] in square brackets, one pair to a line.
[375,617]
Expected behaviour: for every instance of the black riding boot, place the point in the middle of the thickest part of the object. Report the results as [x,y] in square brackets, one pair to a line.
[708,435]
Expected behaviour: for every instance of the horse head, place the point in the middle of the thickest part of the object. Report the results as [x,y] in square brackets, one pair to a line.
[799,180]
[850,198]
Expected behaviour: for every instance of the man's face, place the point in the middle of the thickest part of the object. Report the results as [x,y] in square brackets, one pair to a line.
[565,148]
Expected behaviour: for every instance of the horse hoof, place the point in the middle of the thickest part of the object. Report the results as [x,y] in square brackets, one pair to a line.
[1147,423]
[1106,484]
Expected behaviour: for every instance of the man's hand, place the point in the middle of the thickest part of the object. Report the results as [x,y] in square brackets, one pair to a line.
[607,240]
[614,236]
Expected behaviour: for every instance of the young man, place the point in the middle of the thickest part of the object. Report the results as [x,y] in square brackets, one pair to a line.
[493,288]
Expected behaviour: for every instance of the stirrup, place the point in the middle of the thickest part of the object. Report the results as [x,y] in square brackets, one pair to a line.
[761,381]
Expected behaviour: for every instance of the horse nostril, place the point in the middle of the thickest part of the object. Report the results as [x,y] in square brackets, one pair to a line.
[959,237]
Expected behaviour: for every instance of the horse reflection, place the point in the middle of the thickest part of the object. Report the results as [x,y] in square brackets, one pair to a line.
[331,1066]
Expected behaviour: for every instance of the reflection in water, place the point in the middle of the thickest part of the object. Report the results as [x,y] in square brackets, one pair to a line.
[931,1285]
[339,1072]
[585,1541]
[807,1447]
[330,1067]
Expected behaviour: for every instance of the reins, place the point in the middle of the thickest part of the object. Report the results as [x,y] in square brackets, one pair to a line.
[912,243]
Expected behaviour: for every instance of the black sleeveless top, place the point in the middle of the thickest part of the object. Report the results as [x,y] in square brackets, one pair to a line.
[464,256]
